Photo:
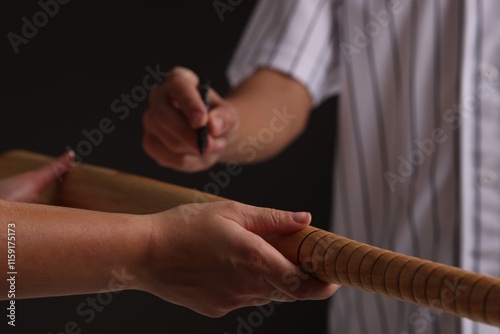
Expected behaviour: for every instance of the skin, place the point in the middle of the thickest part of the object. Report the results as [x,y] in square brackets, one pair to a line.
[27,187]
[63,251]
[176,110]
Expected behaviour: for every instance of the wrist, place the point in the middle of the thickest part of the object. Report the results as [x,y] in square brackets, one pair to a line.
[139,230]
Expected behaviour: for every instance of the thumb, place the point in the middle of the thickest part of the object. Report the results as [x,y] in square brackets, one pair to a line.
[272,221]
[28,186]
[222,119]
[51,172]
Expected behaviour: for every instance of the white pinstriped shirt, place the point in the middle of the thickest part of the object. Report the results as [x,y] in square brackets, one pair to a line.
[417,161]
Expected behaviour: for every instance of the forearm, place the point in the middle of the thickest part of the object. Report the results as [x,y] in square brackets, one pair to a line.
[61,251]
[273,109]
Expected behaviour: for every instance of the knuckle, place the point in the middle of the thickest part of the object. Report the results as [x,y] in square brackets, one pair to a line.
[232,206]
[275,216]
[180,75]
[179,161]
[186,73]
[217,310]
[175,79]
[175,70]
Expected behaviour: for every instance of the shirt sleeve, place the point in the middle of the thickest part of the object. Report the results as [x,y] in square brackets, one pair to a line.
[296,37]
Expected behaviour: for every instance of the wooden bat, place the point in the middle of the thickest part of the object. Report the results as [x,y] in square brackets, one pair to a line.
[329,257]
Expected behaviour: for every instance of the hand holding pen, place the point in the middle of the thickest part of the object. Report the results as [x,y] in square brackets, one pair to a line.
[179,131]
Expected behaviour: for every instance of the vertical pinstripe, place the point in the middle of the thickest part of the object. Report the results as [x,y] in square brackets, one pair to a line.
[456,137]
[437,120]
[380,117]
[362,170]
[360,151]
[395,90]
[312,77]
[383,150]
[399,203]
[437,124]
[413,128]
[289,16]
[398,83]
[477,139]
[310,27]
[320,58]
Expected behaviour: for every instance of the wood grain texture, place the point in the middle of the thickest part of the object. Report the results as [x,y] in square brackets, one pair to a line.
[329,257]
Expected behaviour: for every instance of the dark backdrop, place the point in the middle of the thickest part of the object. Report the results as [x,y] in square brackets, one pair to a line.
[63,80]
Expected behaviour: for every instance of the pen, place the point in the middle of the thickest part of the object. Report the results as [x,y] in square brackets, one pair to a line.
[202,133]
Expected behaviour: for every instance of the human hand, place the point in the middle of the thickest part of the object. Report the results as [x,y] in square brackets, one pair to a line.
[176,110]
[215,262]
[28,186]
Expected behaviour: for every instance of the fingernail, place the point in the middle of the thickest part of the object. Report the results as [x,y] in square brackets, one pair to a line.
[71,154]
[301,217]
[69,158]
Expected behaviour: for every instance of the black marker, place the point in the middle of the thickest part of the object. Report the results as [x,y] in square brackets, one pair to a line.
[202,133]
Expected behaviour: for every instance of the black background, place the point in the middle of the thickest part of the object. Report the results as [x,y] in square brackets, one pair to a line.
[64,80]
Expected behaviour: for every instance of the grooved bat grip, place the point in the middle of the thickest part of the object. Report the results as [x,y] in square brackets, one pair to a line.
[335,259]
